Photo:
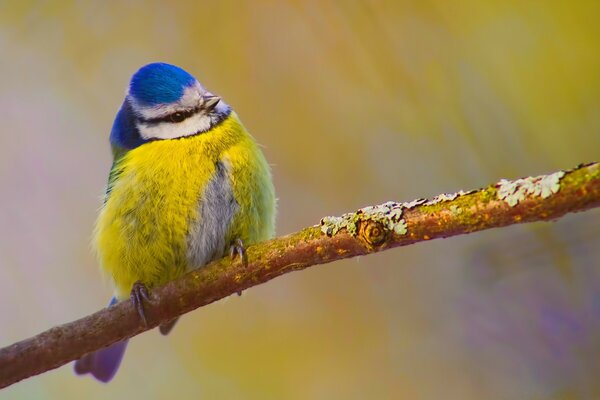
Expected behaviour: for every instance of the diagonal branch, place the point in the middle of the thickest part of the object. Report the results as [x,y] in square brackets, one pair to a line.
[369,230]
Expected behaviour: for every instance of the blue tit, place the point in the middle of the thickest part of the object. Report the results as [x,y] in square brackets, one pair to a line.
[187,183]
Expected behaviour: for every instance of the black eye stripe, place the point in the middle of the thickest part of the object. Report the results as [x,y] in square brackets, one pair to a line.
[177,116]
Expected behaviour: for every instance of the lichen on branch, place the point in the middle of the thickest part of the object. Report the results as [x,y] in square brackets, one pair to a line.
[518,190]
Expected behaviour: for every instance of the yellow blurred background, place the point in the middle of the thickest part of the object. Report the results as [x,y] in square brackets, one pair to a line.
[356,103]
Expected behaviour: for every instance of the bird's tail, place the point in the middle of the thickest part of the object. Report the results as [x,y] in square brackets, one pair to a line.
[104,363]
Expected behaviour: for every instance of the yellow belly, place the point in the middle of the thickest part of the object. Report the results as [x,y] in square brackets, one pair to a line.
[142,231]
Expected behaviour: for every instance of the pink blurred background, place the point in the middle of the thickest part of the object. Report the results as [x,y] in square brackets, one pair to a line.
[355,103]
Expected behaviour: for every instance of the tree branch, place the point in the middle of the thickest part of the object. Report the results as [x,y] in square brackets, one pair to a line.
[368,230]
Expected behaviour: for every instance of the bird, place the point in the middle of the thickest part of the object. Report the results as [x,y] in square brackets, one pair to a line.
[188,185]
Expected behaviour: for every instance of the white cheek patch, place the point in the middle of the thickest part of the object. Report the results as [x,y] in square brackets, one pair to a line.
[197,123]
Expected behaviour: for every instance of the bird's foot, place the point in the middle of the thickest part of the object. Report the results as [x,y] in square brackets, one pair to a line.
[139,293]
[237,248]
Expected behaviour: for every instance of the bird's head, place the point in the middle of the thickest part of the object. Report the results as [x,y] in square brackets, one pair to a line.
[165,102]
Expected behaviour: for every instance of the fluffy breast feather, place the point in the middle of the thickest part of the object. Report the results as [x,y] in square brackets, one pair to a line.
[176,204]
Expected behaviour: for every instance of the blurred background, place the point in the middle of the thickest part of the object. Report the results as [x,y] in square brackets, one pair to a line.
[355,103]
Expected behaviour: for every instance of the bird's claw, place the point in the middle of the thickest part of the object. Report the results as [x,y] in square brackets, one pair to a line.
[237,248]
[139,293]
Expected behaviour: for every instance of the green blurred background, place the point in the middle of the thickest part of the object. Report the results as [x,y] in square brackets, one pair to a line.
[356,103]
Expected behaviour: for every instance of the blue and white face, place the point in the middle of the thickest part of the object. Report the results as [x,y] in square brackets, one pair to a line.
[165,102]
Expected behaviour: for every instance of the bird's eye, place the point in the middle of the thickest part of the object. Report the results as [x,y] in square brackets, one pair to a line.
[177,117]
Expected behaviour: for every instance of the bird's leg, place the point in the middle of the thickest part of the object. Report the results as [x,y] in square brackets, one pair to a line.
[139,293]
[237,248]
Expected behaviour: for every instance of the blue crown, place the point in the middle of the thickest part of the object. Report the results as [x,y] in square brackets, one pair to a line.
[159,83]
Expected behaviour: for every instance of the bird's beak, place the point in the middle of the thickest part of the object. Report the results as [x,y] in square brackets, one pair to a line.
[210,102]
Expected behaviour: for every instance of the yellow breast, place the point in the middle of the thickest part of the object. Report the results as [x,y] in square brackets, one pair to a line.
[142,231]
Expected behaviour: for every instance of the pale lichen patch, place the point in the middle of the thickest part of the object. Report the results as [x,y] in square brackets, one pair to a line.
[414,203]
[447,197]
[400,228]
[513,192]
[388,215]
[331,225]
[456,210]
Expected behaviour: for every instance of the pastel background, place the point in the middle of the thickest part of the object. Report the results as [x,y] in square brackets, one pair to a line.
[355,103]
